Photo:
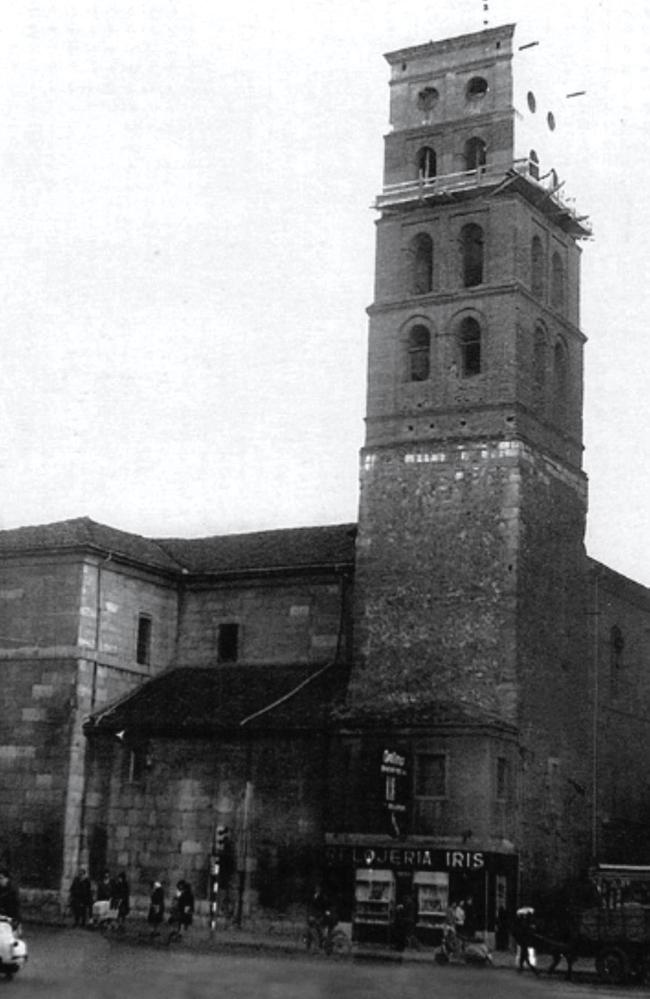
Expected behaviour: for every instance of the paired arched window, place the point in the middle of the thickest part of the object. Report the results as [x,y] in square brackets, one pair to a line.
[540,354]
[471,239]
[475,153]
[469,347]
[421,264]
[427,163]
[560,379]
[557,283]
[418,353]
[537,267]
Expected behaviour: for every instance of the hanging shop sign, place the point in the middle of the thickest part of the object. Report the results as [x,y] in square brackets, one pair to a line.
[394,780]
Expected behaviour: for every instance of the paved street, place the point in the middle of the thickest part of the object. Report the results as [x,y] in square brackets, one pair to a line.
[65,963]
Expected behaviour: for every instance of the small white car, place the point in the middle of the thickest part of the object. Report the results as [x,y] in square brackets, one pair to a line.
[13,950]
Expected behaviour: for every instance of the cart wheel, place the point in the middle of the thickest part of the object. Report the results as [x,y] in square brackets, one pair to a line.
[340,944]
[641,969]
[613,966]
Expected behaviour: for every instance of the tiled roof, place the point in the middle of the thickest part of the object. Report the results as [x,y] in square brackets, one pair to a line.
[82,532]
[191,701]
[294,548]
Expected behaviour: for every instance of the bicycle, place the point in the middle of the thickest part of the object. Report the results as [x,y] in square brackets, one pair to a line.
[323,936]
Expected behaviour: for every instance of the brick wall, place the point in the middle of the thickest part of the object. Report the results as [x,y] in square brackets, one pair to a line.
[470,801]
[621,697]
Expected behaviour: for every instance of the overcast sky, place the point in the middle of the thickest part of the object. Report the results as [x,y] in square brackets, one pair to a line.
[187,254]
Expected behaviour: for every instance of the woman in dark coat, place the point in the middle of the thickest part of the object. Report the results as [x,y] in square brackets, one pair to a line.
[81,898]
[121,898]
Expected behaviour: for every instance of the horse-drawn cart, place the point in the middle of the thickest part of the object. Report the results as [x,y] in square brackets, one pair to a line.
[612,927]
[618,939]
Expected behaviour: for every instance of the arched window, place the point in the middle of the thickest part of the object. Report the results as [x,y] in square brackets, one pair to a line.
[469,342]
[557,282]
[419,353]
[537,267]
[471,237]
[540,353]
[533,164]
[427,163]
[421,257]
[476,88]
[475,153]
[560,380]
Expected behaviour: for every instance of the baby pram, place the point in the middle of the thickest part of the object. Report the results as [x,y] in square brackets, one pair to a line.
[103,916]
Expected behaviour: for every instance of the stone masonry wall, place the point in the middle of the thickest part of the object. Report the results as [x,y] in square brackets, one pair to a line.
[39,602]
[38,697]
[160,822]
[291,621]
[112,598]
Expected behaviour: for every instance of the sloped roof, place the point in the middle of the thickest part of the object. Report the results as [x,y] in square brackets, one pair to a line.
[295,547]
[421,712]
[191,701]
[82,532]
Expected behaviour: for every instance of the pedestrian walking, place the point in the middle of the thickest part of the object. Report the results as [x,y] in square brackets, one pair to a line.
[182,910]
[523,932]
[81,898]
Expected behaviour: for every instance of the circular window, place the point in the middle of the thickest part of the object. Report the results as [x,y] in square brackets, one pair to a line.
[550,121]
[477,87]
[427,98]
[532,103]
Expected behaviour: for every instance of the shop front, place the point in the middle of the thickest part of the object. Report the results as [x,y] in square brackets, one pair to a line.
[370,882]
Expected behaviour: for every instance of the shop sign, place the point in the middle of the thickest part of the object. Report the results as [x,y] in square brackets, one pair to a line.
[416,858]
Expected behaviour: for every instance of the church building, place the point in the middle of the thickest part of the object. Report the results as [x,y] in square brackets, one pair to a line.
[445,700]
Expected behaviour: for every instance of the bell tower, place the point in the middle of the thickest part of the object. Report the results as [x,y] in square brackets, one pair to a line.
[470,555]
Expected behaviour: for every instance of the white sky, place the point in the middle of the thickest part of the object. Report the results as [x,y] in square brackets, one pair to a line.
[187,254]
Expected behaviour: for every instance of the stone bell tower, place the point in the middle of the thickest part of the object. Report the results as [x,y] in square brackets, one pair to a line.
[473,500]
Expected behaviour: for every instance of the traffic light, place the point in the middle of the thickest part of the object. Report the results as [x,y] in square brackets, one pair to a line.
[221,838]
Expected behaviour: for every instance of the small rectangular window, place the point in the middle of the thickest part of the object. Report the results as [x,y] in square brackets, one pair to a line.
[431,775]
[503,777]
[136,762]
[228,643]
[143,646]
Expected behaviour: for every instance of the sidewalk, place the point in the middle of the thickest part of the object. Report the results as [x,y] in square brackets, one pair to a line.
[232,939]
